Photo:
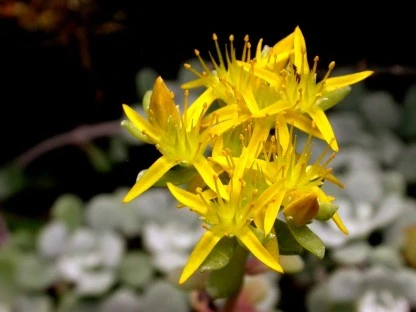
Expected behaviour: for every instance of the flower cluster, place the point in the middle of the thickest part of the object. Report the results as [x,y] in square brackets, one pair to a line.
[232,156]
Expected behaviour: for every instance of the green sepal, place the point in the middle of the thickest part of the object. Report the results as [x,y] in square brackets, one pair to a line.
[227,282]
[307,239]
[221,255]
[288,245]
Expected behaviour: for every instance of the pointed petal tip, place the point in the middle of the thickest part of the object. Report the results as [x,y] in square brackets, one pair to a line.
[128,198]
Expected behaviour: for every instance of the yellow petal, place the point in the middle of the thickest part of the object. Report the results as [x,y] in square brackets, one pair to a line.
[209,175]
[201,251]
[273,109]
[339,223]
[162,106]
[300,58]
[139,122]
[188,199]
[228,112]
[250,100]
[263,73]
[284,45]
[149,178]
[272,245]
[303,123]
[272,212]
[283,132]
[324,126]
[194,84]
[259,135]
[200,105]
[346,80]
[252,243]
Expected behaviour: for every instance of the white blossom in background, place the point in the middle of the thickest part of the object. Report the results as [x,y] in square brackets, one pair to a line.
[169,233]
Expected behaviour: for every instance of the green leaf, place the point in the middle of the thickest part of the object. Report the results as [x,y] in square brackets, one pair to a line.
[163,296]
[33,274]
[288,245]
[307,239]
[68,209]
[12,180]
[136,269]
[220,256]
[227,281]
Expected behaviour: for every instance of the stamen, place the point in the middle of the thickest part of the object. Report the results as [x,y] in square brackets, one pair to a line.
[232,50]
[203,64]
[198,191]
[315,65]
[244,56]
[330,69]
[217,47]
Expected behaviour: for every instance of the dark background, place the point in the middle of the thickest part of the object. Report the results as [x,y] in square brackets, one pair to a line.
[47,89]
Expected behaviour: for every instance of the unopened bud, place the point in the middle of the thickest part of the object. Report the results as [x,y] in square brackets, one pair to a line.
[302,209]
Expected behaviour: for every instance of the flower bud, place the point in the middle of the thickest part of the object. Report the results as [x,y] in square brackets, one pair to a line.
[302,209]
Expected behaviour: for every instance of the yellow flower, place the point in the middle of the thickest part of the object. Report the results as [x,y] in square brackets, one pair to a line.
[239,87]
[299,182]
[180,139]
[298,87]
[233,217]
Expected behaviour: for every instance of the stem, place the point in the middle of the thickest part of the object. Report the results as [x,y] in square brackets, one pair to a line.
[78,136]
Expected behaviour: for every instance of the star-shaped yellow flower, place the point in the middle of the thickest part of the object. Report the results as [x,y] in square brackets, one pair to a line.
[233,217]
[179,137]
[298,179]
[298,86]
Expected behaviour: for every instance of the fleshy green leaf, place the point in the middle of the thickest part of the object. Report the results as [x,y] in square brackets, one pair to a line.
[68,209]
[307,239]
[162,296]
[288,245]
[136,269]
[220,256]
[226,282]
[34,274]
